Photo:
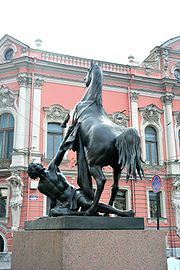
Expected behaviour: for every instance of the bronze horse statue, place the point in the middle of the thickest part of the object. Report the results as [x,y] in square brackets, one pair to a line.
[101,141]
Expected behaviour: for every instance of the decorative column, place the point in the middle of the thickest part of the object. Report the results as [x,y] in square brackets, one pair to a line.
[16,199]
[134,110]
[20,154]
[36,113]
[176,202]
[169,129]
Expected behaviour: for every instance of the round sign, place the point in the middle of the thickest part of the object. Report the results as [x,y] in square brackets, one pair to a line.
[156,183]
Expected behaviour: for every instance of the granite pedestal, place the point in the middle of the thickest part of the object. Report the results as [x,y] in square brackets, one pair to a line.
[74,249]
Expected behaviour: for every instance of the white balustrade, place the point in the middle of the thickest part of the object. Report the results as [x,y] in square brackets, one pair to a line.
[73,61]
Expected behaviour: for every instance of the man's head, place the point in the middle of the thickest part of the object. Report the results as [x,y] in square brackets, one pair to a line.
[35,170]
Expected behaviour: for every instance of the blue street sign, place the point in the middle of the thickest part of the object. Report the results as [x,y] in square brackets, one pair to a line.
[33,198]
[156,183]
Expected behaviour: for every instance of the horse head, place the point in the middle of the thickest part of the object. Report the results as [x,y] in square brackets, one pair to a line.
[94,67]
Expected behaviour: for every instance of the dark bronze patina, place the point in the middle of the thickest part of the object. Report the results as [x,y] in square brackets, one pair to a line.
[98,142]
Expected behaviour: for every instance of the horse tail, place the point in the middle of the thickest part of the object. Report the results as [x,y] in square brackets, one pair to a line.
[129,152]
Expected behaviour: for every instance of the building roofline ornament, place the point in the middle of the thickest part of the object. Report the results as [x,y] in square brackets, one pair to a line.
[165,59]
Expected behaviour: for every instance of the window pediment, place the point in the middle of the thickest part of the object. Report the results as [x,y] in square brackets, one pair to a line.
[150,114]
[56,113]
[7,97]
[119,118]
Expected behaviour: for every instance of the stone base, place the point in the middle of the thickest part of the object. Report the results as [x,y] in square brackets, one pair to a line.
[89,250]
[85,223]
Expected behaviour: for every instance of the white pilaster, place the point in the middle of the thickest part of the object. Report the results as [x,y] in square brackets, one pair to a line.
[170,140]
[134,110]
[36,114]
[20,154]
[173,167]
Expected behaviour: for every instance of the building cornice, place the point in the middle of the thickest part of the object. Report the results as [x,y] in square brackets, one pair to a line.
[140,84]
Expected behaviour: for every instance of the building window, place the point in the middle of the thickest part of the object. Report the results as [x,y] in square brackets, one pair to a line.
[8,54]
[3,202]
[153,204]
[120,201]
[54,139]
[177,74]
[151,145]
[6,135]
[1,244]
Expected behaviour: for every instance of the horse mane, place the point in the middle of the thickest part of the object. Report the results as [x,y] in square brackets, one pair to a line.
[98,82]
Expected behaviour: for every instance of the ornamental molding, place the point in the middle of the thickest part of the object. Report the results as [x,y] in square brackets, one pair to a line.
[38,83]
[177,118]
[134,96]
[151,114]
[153,62]
[24,80]
[167,99]
[165,59]
[56,113]
[8,97]
[119,118]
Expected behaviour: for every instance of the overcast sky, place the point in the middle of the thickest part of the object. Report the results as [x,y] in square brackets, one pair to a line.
[108,30]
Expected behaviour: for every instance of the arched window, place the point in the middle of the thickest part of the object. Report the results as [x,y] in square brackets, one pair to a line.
[1,244]
[54,139]
[6,135]
[151,145]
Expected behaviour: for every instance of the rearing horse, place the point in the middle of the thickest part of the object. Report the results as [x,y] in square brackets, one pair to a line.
[104,143]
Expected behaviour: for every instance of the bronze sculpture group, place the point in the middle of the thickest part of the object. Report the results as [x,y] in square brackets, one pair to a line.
[98,142]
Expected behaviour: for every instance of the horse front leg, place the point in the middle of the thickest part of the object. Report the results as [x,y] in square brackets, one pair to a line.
[96,172]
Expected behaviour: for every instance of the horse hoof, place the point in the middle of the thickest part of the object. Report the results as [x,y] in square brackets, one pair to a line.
[131,213]
[87,213]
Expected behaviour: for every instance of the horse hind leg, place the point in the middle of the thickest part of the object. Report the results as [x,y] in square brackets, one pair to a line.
[115,186]
[96,172]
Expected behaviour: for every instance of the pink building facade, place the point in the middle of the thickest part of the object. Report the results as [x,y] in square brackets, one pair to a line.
[38,89]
